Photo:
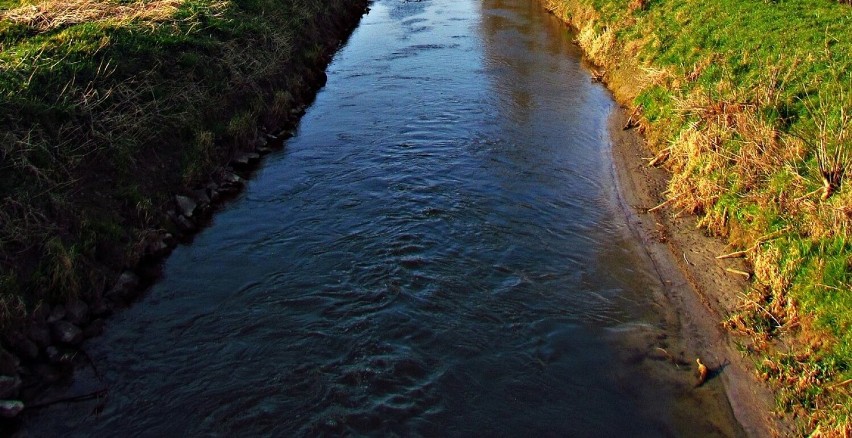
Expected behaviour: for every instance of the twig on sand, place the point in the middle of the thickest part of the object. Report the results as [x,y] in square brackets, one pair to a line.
[660,158]
[745,274]
[631,123]
[666,202]
[733,255]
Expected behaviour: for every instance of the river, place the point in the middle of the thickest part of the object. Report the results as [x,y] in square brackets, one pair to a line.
[438,251]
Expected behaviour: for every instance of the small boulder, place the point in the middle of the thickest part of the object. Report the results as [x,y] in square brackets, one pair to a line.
[57,313]
[231,178]
[24,347]
[157,248]
[100,309]
[66,333]
[60,355]
[127,280]
[245,160]
[8,362]
[9,386]
[202,196]
[11,408]
[40,334]
[186,205]
[213,191]
[77,312]
[40,313]
[125,288]
[184,224]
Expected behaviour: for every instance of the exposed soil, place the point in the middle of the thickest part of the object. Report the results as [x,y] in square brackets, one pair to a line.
[696,283]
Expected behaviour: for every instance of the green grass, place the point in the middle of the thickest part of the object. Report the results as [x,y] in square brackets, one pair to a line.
[751,95]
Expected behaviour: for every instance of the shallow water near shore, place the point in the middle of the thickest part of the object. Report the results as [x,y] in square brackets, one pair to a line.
[438,251]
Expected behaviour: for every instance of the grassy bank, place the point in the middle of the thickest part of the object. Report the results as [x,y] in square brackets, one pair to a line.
[108,108]
[749,105]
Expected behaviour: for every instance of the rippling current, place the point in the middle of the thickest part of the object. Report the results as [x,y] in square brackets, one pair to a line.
[438,251]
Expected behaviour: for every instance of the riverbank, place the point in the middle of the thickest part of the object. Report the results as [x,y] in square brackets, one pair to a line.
[699,297]
[751,121]
[123,126]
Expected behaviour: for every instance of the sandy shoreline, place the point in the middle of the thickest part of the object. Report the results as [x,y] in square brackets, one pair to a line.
[695,282]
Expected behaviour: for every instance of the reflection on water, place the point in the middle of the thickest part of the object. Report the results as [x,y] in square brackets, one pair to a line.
[437,252]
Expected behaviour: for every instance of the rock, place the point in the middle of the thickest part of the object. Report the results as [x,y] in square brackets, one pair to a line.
[245,160]
[66,333]
[263,141]
[57,313]
[24,347]
[286,133]
[9,386]
[213,191]
[95,328]
[184,224]
[186,205]
[100,309]
[40,313]
[232,178]
[127,280]
[202,196]
[228,189]
[215,195]
[8,363]
[124,289]
[77,312]
[158,248]
[60,355]
[40,334]
[155,244]
[11,408]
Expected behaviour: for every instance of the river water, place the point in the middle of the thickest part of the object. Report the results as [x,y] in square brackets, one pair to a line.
[438,251]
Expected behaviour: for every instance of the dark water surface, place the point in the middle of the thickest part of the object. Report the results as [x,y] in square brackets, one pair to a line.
[438,251]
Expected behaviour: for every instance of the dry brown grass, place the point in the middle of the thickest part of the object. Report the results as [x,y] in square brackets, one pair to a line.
[53,14]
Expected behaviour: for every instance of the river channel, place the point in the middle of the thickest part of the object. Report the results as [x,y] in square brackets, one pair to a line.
[438,251]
